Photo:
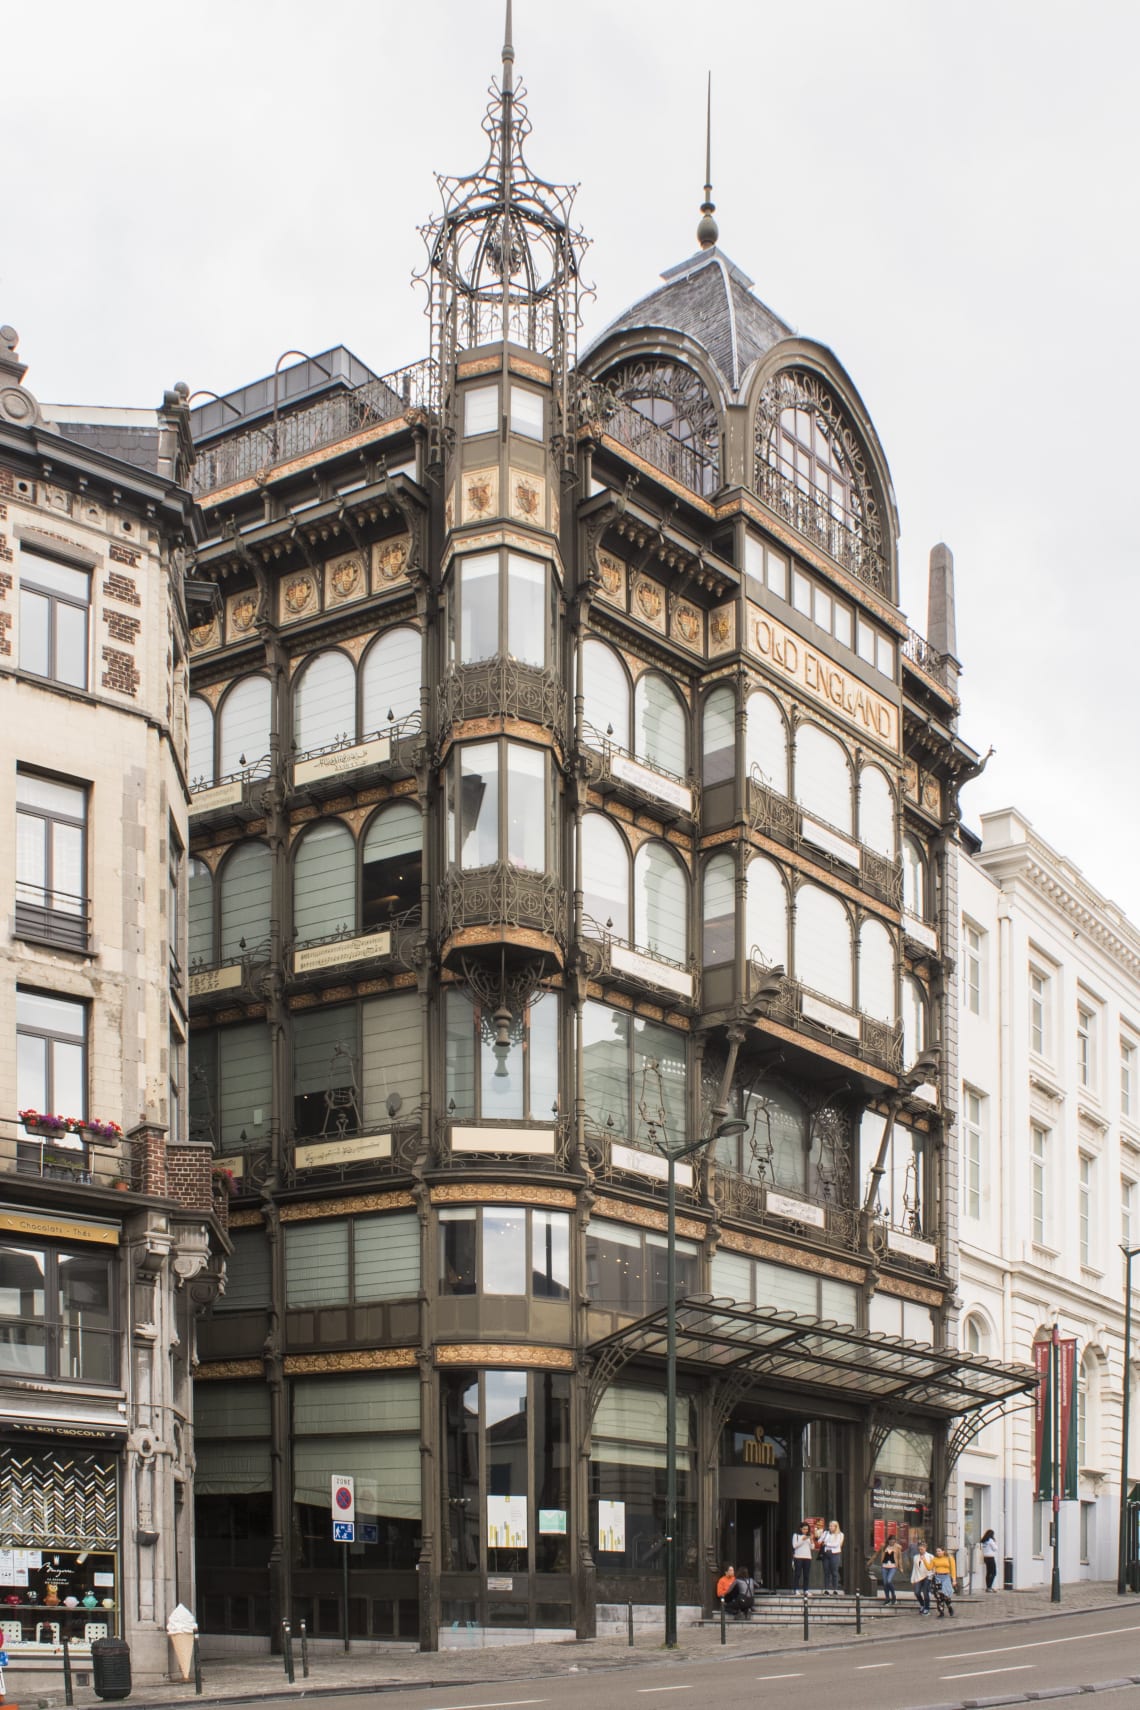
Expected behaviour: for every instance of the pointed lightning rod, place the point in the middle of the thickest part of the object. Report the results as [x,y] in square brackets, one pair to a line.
[707,231]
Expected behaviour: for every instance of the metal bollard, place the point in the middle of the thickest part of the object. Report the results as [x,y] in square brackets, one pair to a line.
[629,1621]
[722,1621]
[68,1694]
[304,1650]
[858,1613]
[287,1650]
[807,1630]
[197,1668]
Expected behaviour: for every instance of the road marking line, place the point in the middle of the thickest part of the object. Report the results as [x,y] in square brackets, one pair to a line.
[644,1689]
[972,1674]
[863,1667]
[1036,1645]
[495,1704]
[779,1677]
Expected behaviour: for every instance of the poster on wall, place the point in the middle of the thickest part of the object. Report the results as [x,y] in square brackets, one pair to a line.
[506,1523]
[1064,1454]
[552,1521]
[611,1527]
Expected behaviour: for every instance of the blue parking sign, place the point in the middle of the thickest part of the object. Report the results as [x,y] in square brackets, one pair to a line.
[344,1532]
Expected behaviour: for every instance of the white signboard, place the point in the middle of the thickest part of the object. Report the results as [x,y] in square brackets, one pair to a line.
[552,1521]
[342,951]
[343,1497]
[222,795]
[341,760]
[652,783]
[914,1248]
[361,1146]
[648,968]
[216,980]
[506,1522]
[611,1527]
[526,1142]
[649,1164]
[796,1210]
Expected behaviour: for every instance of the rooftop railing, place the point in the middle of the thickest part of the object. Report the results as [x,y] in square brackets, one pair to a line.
[692,466]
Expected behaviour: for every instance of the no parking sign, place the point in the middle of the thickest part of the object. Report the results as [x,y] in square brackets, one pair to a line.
[343,1508]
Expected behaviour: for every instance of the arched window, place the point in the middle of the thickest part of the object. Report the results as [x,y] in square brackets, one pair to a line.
[665,412]
[324,881]
[766,913]
[913,1019]
[766,753]
[777,1144]
[244,886]
[201,742]
[914,878]
[876,971]
[718,915]
[324,702]
[244,721]
[823,777]
[1088,1412]
[606,693]
[718,736]
[876,812]
[975,1335]
[605,875]
[823,943]
[661,902]
[660,724]
[200,911]
[391,865]
[390,681]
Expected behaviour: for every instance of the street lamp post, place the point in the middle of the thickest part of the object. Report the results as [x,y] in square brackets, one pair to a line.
[1122,1537]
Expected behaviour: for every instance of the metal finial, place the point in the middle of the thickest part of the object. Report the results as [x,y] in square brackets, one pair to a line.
[707,231]
[508,49]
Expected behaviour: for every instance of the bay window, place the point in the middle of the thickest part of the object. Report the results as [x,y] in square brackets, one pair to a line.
[487,1084]
[504,1249]
[499,806]
[502,605]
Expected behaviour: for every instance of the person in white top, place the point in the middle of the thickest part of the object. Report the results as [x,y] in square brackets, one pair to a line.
[832,1559]
[801,1557]
[989,1556]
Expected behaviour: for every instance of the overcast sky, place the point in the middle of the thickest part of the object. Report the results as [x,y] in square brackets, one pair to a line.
[943,191]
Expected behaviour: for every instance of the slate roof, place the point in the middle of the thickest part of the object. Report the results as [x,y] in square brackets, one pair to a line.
[710,299]
[137,445]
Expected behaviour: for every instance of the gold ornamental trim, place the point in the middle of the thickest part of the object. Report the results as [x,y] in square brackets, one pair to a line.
[758,1248]
[312,1209]
[59,1228]
[477,1193]
[478,365]
[645,1217]
[352,1360]
[504,1354]
[919,1292]
[245,1220]
[215,1369]
[532,370]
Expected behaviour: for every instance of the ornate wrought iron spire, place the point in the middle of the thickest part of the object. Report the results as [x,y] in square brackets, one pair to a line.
[503,258]
[708,231]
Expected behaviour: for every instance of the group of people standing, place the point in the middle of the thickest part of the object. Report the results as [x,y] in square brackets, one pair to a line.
[814,1539]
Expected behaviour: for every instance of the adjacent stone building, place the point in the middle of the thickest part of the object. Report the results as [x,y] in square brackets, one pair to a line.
[108,1237]
[567,785]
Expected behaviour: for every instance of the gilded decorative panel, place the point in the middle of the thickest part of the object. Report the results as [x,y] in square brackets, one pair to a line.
[476,1193]
[722,630]
[218,1369]
[344,1206]
[297,596]
[611,578]
[503,1354]
[687,625]
[480,494]
[241,615]
[352,1360]
[643,1217]
[527,498]
[823,1265]
[909,1291]
[390,562]
[345,578]
[204,635]
[648,602]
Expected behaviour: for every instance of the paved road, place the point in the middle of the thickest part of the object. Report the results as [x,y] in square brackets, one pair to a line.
[943,1664]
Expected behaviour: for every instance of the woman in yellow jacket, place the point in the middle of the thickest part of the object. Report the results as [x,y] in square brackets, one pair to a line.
[942,1571]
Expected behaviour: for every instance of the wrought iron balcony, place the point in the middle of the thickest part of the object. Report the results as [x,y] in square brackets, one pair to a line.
[391,1149]
[502,896]
[775,816]
[614,961]
[231,800]
[928,659]
[236,979]
[693,466]
[506,688]
[829,1021]
[350,764]
[468,1145]
[811,517]
[325,423]
[315,961]
[635,1163]
[613,770]
[790,1211]
[905,1247]
[54,918]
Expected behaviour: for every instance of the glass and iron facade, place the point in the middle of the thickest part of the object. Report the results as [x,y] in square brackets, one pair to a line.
[558,744]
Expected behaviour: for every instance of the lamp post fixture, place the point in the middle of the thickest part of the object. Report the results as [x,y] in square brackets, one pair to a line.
[1122,1537]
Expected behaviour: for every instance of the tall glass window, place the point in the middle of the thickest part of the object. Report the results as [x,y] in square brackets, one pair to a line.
[390,680]
[661,902]
[243,725]
[719,911]
[606,693]
[200,947]
[51,1054]
[391,865]
[823,943]
[201,742]
[324,702]
[629,1063]
[718,736]
[766,753]
[488,1085]
[876,971]
[54,602]
[823,777]
[876,812]
[766,913]
[661,724]
[324,881]
[605,876]
[503,607]
[499,806]
[51,860]
[504,1250]
[245,885]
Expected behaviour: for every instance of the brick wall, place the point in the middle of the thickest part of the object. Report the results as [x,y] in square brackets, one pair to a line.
[120,673]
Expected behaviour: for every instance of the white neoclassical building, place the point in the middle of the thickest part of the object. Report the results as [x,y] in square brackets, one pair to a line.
[1049,1156]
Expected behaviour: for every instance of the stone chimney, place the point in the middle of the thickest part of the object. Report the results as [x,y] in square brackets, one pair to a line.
[941,624]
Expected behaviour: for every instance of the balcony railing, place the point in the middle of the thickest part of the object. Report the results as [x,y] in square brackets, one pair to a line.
[635,1163]
[611,768]
[322,771]
[502,687]
[753,1200]
[811,517]
[618,961]
[324,423]
[692,466]
[829,1020]
[54,918]
[502,896]
[391,939]
[230,797]
[935,664]
[471,1145]
[775,816]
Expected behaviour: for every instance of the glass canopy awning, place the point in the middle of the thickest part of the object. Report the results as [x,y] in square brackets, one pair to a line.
[720,1338]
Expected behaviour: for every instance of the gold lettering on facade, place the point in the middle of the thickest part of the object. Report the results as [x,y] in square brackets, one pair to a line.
[824,679]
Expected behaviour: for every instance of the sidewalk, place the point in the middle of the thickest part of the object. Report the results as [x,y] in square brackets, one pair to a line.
[226,1678]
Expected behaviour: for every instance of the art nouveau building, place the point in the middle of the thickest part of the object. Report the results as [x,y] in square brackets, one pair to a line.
[566,784]
[108,1240]
[1050,1159]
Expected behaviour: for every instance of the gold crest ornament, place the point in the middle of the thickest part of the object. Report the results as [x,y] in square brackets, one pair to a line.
[610,574]
[345,576]
[649,600]
[243,612]
[204,634]
[392,559]
[720,628]
[688,625]
[298,595]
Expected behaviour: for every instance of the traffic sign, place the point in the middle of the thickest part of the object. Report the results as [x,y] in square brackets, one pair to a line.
[343,1497]
[344,1532]
[369,1533]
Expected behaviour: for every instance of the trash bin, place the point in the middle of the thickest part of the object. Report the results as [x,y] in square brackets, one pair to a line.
[111,1668]
[1007,1575]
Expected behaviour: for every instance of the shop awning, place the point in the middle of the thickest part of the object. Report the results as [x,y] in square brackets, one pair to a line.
[722,1339]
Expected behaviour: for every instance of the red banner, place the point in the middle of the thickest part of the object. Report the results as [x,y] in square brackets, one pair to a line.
[1063,1454]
